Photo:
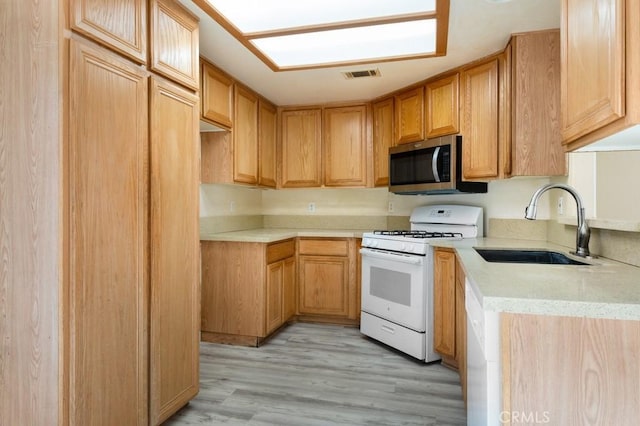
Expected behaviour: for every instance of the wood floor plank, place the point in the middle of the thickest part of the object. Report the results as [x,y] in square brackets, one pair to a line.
[317,374]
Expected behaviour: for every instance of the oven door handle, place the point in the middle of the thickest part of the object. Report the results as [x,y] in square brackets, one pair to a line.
[392,256]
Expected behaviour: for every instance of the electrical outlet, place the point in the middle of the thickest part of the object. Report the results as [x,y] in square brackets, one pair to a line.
[232,206]
[312,207]
[391,207]
[561,205]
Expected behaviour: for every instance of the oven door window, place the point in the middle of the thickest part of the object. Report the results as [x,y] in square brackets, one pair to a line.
[393,287]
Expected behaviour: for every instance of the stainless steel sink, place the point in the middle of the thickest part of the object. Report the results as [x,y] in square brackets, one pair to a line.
[545,257]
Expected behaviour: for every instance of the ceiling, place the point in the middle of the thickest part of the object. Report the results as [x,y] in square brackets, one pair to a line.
[476,28]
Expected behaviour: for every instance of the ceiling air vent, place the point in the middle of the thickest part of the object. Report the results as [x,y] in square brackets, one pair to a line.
[361,74]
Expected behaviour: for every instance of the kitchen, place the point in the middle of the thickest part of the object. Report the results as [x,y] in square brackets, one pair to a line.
[34,249]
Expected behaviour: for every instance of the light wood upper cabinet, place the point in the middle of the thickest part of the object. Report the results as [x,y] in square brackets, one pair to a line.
[174,249]
[409,110]
[345,146]
[267,127]
[245,136]
[108,288]
[119,24]
[442,106]
[174,42]
[536,148]
[216,93]
[593,56]
[481,118]
[444,307]
[301,148]
[600,55]
[383,139]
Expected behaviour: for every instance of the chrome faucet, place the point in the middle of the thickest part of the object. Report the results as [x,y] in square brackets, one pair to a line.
[583,232]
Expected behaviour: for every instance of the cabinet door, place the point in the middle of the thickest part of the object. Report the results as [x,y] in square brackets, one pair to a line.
[174,42]
[444,308]
[217,96]
[410,115]
[442,106]
[383,139]
[593,65]
[245,137]
[274,302]
[536,142]
[345,146]
[289,289]
[174,249]
[120,24]
[107,358]
[324,285]
[301,148]
[480,121]
[267,124]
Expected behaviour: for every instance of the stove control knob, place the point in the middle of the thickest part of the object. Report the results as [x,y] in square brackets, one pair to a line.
[403,247]
[366,242]
[408,249]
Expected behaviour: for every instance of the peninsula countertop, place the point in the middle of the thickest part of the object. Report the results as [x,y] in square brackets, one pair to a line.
[602,289]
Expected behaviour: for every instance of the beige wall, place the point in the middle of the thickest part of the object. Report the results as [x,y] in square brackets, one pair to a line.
[505,199]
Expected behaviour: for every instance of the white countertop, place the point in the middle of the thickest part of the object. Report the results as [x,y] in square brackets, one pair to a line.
[270,235]
[604,289]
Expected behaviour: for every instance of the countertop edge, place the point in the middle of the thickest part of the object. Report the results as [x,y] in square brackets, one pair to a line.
[271,235]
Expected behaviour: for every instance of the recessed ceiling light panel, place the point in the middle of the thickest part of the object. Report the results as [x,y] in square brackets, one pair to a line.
[251,16]
[351,44]
[288,35]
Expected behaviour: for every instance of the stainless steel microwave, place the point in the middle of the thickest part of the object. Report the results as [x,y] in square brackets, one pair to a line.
[432,166]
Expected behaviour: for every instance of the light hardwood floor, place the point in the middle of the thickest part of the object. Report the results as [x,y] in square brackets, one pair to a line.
[312,374]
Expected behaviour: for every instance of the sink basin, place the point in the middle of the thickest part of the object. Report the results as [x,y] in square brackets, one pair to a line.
[527,256]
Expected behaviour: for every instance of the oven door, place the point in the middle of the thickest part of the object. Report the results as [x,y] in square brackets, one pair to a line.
[393,287]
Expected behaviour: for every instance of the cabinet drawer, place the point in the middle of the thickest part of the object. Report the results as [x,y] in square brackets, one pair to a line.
[281,250]
[326,247]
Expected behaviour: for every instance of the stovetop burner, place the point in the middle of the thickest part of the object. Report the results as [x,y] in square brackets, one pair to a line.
[419,234]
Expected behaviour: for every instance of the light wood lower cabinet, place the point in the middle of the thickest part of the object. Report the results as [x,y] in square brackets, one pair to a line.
[246,289]
[450,320]
[570,370]
[461,328]
[327,279]
[444,306]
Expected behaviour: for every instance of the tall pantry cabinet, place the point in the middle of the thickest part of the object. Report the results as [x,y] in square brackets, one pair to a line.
[130,303]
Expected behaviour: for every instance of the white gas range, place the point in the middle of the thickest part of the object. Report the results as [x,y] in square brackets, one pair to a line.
[397,276]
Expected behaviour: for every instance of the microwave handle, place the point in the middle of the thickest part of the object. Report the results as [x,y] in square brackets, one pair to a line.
[434,164]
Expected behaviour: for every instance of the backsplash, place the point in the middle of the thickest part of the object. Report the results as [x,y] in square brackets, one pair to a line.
[225,208]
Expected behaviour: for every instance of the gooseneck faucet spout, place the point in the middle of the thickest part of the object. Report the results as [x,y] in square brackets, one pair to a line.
[583,233]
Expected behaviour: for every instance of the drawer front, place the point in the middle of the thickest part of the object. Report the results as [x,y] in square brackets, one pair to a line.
[281,250]
[324,247]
